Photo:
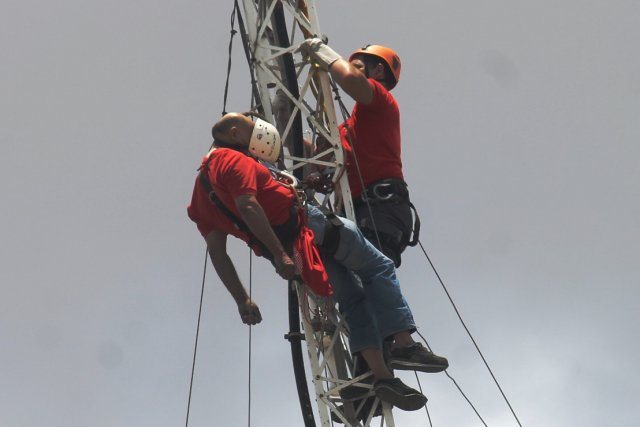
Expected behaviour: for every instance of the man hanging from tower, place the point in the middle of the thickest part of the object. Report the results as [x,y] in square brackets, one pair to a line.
[236,195]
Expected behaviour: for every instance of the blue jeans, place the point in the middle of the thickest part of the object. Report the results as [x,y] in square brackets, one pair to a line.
[375,309]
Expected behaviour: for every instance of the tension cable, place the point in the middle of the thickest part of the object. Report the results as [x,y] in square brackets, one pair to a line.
[486,364]
[233,33]
[351,139]
[250,330]
[195,347]
[204,273]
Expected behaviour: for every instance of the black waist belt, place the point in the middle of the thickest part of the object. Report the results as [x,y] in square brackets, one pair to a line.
[390,190]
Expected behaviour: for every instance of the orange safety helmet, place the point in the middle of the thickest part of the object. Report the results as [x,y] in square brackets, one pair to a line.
[389,56]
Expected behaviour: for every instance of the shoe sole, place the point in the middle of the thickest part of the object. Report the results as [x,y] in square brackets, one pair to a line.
[415,366]
[411,402]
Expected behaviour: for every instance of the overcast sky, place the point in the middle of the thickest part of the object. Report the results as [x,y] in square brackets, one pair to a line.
[521,146]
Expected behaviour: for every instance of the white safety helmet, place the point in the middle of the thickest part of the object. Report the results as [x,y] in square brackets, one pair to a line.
[265,142]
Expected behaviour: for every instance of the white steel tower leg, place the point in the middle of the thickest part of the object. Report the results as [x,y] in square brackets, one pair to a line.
[293,93]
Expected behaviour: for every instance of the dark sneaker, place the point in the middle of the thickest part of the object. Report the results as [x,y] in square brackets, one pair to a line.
[399,394]
[357,390]
[416,358]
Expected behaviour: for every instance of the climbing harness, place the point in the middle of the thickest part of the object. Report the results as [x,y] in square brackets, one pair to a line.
[389,190]
[333,223]
[331,240]
[294,234]
[286,232]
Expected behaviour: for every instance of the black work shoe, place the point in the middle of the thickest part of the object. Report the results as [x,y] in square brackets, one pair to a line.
[399,394]
[356,391]
[416,358]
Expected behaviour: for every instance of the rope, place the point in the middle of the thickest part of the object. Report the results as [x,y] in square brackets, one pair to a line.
[245,41]
[351,139]
[250,330]
[255,96]
[454,382]
[204,274]
[195,347]
[426,408]
[336,91]
[365,198]
[233,33]
[486,364]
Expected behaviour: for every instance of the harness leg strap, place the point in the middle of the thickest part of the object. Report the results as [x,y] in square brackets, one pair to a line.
[331,234]
[416,227]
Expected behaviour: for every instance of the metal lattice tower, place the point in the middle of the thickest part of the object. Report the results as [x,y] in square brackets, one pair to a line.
[297,97]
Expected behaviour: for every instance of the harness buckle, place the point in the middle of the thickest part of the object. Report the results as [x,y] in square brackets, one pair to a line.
[378,186]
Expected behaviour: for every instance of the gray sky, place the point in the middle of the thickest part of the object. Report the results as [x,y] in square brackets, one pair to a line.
[521,148]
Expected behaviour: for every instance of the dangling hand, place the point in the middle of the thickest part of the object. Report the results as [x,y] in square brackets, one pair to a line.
[285,267]
[249,312]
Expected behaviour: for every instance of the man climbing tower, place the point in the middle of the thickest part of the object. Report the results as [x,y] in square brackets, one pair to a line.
[236,195]
[371,138]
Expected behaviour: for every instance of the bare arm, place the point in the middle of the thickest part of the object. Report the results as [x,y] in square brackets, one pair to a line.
[348,77]
[255,218]
[352,81]
[217,247]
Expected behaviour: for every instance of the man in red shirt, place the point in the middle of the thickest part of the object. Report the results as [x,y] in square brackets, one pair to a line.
[249,204]
[371,138]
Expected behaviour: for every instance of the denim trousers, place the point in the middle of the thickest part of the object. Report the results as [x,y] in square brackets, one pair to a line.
[372,302]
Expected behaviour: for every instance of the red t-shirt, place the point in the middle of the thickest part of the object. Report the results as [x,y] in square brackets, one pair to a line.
[234,174]
[374,130]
